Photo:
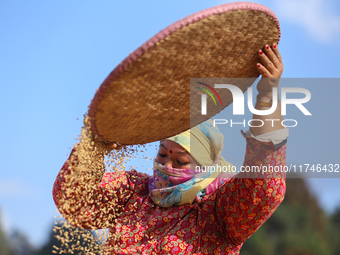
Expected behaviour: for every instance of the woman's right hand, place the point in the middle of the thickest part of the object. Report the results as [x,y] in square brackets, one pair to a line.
[113,146]
[108,146]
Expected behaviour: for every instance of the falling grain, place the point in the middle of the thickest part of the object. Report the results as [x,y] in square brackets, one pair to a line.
[80,202]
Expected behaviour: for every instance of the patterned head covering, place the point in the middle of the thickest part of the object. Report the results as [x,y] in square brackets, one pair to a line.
[170,186]
[204,143]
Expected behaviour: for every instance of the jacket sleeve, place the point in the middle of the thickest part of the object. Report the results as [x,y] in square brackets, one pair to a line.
[250,198]
[92,201]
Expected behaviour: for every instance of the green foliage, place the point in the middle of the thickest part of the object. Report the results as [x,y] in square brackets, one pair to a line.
[298,227]
[5,248]
[334,229]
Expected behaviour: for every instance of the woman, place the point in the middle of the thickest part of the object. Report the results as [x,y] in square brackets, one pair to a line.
[177,211]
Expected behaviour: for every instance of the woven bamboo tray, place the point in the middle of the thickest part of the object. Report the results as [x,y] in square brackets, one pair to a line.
[147,96]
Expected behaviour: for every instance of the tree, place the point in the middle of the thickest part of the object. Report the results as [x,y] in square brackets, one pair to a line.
[4,242]
[20,245]
[335,230]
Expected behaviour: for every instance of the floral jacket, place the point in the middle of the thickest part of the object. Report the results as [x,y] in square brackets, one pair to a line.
[219,223]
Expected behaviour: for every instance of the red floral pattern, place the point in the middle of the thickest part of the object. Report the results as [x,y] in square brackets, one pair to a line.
[217,224]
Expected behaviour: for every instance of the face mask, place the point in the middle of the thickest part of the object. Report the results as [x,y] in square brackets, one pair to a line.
[175,176]
[172,187]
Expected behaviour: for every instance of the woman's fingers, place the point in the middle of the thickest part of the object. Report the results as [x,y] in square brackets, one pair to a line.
[263,71]
[271,66]
[118,146]
[266,62]
[272,56]
[277,53]
[113,146]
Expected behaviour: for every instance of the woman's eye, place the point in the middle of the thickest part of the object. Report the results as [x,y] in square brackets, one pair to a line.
[161,155]
[182,163]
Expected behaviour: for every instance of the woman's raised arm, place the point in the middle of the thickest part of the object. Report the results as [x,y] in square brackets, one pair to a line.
[271,70]
[252,196]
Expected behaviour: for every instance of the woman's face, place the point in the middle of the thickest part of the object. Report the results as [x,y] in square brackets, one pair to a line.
[173,155]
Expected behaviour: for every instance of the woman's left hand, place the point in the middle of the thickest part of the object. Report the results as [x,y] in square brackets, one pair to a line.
[271,69]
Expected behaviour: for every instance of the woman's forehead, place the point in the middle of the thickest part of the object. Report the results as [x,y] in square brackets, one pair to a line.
[173,146]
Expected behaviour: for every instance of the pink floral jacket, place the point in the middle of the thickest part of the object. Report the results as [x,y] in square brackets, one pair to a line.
[217,224]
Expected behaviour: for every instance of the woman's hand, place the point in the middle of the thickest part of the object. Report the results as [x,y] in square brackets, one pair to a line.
[108,146]
[271,70]
[113,146]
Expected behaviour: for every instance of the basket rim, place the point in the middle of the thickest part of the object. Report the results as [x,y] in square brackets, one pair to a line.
[133,56]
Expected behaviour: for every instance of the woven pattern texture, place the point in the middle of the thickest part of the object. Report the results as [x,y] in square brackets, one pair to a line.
[147,97]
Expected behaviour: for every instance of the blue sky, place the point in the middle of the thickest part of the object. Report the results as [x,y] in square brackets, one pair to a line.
[54,54]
